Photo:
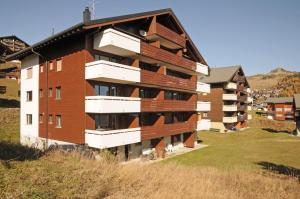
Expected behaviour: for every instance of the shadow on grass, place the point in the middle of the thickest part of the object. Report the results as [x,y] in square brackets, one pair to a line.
[17,152]
[280,169]
[276,131]
[9,103]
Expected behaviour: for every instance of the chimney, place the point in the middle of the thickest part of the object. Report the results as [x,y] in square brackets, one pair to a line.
[86,15]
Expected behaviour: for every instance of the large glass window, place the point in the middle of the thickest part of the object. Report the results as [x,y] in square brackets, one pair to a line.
[169,118]
[106,90]
[168,95]
[106,122]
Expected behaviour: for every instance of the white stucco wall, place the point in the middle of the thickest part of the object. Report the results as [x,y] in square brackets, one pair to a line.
[30,132]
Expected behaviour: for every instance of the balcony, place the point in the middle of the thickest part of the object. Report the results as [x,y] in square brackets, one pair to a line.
[166,36]
[148,77]
[113,72]
[166,57]
[229,107]
[248,90]
[203,124]
[153,105]
[150,132]
[203,87]
[241,88]
[201,68]
[232,119]
[249,99]
[231,86]
[112,104]
[116,42]
[112,138]
[203,106]
[249,117]
[232,97]
[249,108]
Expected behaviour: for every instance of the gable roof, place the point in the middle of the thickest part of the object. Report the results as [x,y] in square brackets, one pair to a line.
[221,75]
[81,27]
[14,37]
[297,101]
[279,100]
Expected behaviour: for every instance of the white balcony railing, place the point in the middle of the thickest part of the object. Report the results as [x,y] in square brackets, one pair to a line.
[116,42]
[231,85]
[201,68]
[249,117]
[114,72]
[112,104]
[203,87]
[230,119]
[229,97]
[203,124]
[249,108]
[248,90]
[229,107]
[112,138]
[249,99]
[203,106]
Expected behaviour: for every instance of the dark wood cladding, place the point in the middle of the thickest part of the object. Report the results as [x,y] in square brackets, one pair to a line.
[167,57]
[169,35]
[242,107]
[148,77]
[153,105]
[150,132]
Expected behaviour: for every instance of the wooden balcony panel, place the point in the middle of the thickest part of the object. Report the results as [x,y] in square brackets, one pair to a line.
[170,35]
[152,105]
[151,132]
[167,57]
[148,77]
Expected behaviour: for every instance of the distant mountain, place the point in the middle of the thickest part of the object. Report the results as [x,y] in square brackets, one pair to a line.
[278,82]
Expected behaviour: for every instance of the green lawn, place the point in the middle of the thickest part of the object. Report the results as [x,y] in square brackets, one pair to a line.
[244,150]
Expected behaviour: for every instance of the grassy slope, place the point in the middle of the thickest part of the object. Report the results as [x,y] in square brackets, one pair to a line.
[244,150]
[12,88]
[9,124]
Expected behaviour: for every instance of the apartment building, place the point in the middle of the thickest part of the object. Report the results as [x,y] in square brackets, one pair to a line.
[280,108]
[229,96]
[128,84]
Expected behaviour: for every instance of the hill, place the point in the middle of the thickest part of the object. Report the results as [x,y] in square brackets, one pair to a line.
[277,83]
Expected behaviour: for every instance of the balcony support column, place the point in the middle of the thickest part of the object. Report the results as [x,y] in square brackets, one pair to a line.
[135,63]
[189,139]
[135,122]
[159,145]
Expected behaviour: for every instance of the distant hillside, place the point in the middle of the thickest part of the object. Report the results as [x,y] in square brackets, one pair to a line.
[284,82]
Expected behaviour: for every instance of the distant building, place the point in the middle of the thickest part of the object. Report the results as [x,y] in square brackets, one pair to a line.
[280,108]
[297,112]
[229,96]
[9,45]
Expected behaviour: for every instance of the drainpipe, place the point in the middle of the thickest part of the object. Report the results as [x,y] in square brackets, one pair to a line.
[46,91]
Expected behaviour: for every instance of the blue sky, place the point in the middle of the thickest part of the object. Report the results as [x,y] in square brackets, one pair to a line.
[258,34]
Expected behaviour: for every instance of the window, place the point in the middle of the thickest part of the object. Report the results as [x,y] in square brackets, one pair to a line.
[50,119]
[29,73]
[58,121]
[168,95]
[58,65]
[106,122]
[28,119]
[41,118]
[41,68]
[29,96]
[58,92]
[41,93]
[105,90]
[50,65]
[50,92]
[169,118]
[204,114]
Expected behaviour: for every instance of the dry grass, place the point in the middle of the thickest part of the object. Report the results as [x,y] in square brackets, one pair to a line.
[74,176]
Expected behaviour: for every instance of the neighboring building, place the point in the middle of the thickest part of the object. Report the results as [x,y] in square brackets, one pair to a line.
[297,112]
[280,108]
[126,83]
[229,97]
[10,45]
